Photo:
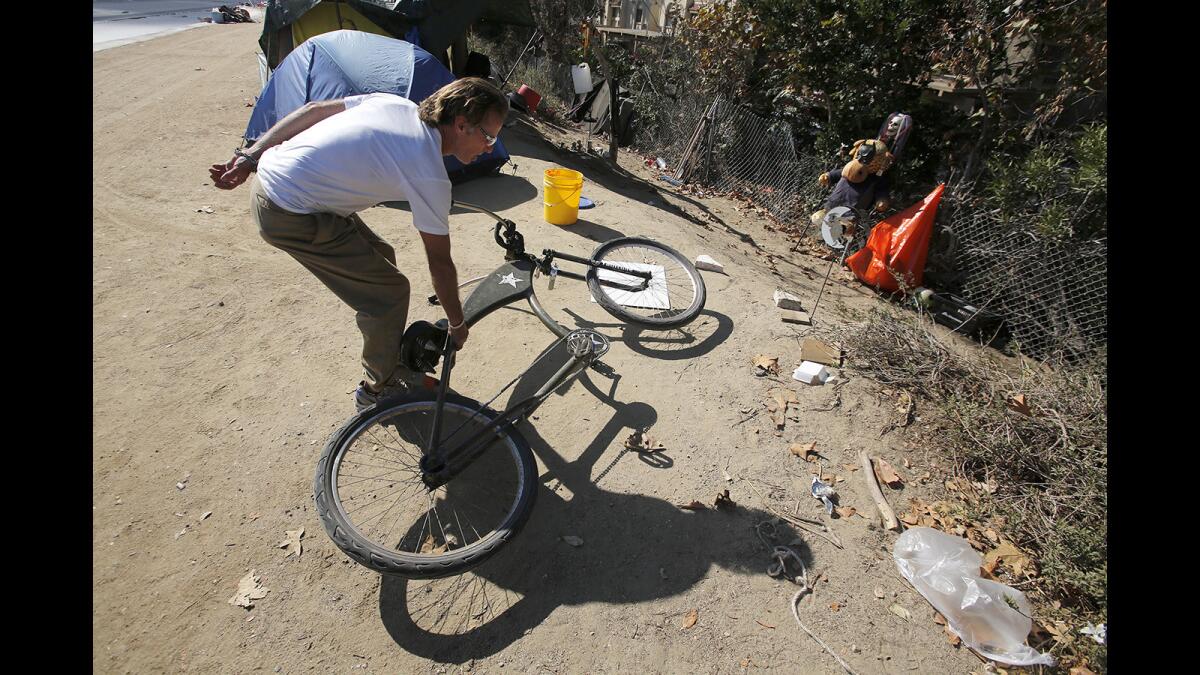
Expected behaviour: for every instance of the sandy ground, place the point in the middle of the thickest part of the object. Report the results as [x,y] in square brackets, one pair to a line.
[222,366]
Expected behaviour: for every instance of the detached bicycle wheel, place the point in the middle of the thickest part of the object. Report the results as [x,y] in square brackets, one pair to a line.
[374,506]
[673,297]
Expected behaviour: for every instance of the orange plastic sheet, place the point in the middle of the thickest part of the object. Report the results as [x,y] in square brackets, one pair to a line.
[898,245]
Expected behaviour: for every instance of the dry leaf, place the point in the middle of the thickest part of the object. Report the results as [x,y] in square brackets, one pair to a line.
[1017,404]
[292,542]
[1011,556]
[907,464]
[430,546]
[694,506]
[1080,670]
[954,639]
[835,606]
[777,402]
[640,442]
[845,511]
[249,590]
[723,501]
[807,452]
[764,625]
[886,474]
[939,619]
[765,365]
[691,618]
[850,467]
[909,519]
[900,611]
[878,592]
[206,514]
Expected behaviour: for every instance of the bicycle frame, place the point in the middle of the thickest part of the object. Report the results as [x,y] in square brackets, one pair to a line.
[510,282]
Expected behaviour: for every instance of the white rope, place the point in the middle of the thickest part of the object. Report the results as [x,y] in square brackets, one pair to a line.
[781,555]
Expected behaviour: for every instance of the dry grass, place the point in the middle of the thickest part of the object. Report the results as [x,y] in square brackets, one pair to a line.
[1049,467]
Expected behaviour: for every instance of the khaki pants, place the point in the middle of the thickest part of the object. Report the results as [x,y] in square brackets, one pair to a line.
[354,263]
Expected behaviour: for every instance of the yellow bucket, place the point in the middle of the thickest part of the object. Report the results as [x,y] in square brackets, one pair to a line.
[561,200]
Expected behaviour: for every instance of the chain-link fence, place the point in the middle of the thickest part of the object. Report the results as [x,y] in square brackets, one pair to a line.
[1052,295]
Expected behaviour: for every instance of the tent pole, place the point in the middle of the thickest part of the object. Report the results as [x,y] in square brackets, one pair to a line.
[518,61]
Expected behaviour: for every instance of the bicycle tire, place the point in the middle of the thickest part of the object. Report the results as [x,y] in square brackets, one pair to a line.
[679,279]
[397,422]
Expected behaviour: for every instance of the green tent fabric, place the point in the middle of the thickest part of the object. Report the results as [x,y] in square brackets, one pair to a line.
[438,22]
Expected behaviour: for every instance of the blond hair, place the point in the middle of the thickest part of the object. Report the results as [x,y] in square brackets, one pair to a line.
[471,97]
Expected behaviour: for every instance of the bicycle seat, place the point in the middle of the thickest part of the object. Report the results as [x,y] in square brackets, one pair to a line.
[421,346]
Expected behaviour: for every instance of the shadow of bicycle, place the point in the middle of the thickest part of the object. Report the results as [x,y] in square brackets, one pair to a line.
[582,544]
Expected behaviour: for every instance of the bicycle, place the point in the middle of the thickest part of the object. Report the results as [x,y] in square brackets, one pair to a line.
[396,482]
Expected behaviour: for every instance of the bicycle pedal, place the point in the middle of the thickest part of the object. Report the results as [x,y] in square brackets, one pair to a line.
[603,369]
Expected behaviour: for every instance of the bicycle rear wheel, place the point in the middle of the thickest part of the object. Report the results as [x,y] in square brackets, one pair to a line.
[674,296]
[374,506]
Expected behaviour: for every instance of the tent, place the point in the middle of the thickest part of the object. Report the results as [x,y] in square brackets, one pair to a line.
[596,111]
[433,25]
[348,62]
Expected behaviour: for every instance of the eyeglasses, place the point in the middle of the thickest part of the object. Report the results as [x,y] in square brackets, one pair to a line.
[490,139]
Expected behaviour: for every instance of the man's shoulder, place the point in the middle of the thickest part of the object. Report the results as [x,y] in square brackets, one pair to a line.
[388,98]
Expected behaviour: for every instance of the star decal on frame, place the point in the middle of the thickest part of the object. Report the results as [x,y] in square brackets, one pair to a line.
[510,279]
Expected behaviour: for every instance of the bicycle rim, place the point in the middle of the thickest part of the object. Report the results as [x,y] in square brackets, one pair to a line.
[376,489]
[675,293]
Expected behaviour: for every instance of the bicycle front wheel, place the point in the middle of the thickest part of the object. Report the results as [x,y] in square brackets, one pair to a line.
[375,507]
[673,297]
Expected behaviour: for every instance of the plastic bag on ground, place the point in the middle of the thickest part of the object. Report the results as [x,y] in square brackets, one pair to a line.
[945,569]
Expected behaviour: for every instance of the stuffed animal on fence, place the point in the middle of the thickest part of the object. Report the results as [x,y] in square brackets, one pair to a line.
[863,182]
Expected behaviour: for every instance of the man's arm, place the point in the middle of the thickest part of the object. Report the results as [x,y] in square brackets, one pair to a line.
[235,172]
[445,282]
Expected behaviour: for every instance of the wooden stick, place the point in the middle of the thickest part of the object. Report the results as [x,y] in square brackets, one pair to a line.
[889,517]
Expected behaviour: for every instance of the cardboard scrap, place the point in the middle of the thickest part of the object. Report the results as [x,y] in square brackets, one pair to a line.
[790,316]
[819,352]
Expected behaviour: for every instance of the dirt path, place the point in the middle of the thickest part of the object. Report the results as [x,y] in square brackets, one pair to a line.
[221,365]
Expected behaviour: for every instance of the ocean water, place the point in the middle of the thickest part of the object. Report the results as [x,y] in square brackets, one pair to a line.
[121,22]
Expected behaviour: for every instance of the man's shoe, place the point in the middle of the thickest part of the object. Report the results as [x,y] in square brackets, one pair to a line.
[402,380]
[365,398]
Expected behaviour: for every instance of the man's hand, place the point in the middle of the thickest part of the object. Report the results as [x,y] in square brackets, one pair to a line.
[231,174]
[460,335]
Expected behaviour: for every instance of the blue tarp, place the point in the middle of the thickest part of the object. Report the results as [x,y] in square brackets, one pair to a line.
[348,62]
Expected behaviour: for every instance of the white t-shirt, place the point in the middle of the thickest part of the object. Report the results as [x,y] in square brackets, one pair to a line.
[377,150]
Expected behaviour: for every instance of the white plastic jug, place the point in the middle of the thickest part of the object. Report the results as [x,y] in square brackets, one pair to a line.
[581,75]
